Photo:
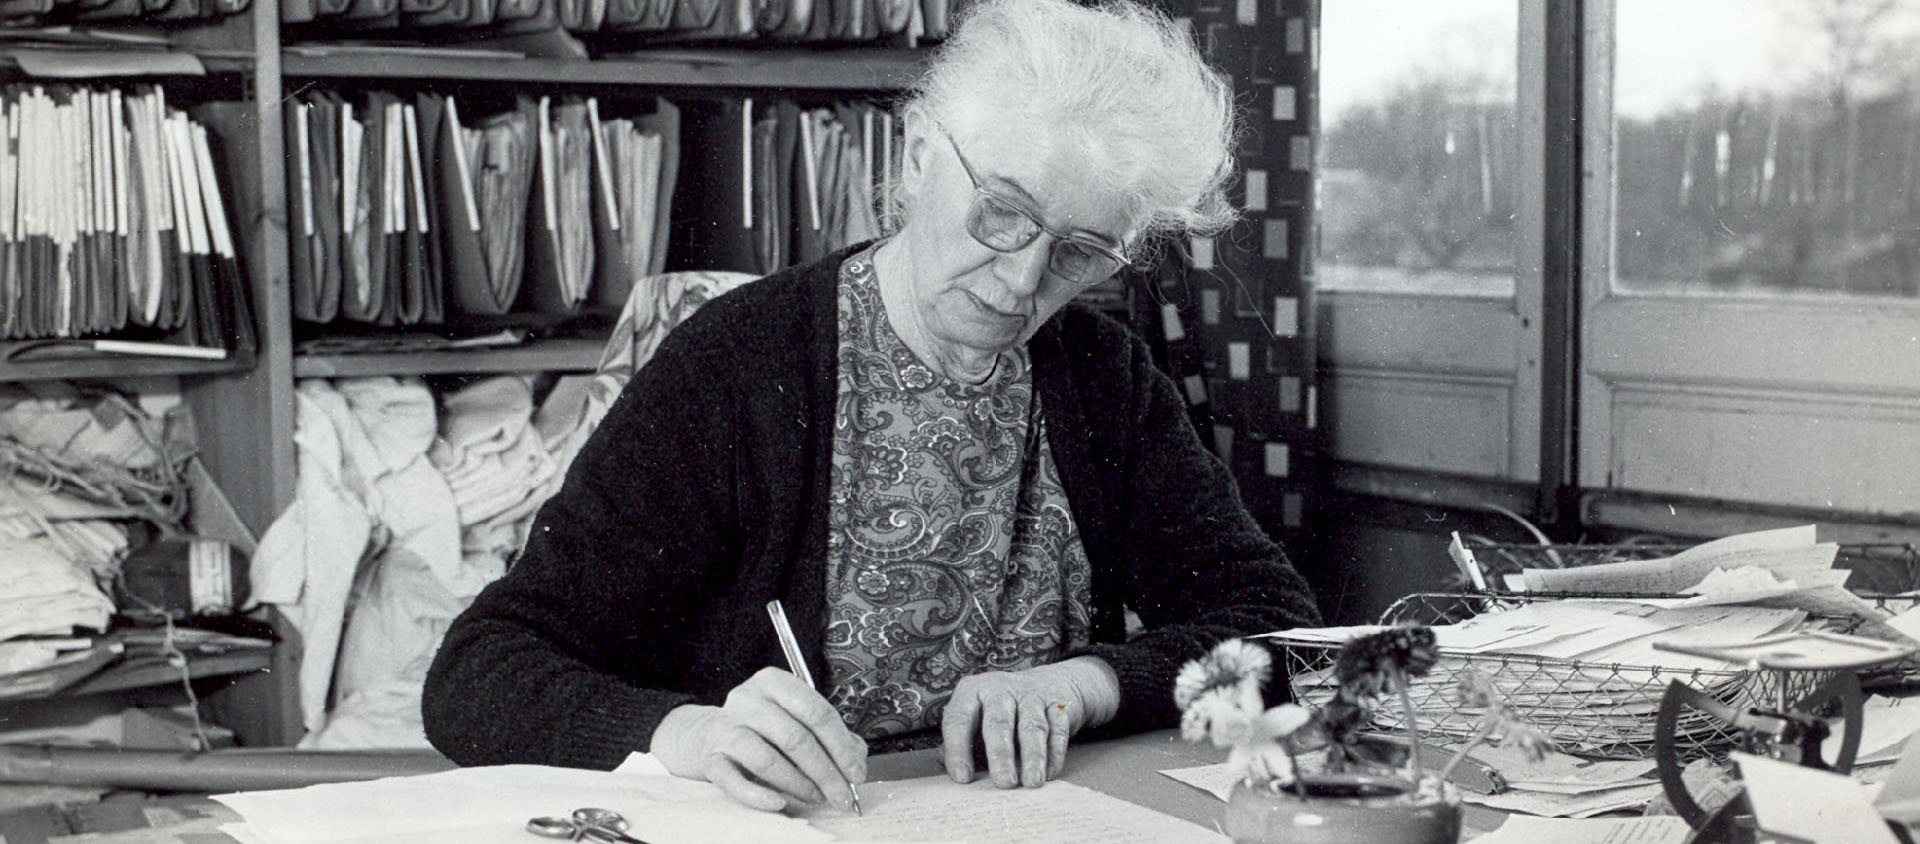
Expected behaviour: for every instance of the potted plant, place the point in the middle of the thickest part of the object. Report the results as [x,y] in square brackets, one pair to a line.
[1350,791]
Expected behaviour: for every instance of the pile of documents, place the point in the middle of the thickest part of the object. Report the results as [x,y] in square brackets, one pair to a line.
[1591,671]
[63,525]
[114,221]
[1584,671]
[411,211]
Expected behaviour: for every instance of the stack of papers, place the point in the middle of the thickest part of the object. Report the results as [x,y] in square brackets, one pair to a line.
[1591,676]
[1775,568]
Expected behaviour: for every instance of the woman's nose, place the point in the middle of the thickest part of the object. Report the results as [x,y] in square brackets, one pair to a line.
[1029,266]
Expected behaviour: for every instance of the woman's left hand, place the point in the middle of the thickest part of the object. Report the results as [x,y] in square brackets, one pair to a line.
[1024,718]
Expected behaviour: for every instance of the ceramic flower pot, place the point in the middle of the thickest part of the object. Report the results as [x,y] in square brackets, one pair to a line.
[1343,808]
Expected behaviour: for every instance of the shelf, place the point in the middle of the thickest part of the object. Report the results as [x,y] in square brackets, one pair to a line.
[136,674]
[839,69]
[98,368]
[106,60]
[570,355]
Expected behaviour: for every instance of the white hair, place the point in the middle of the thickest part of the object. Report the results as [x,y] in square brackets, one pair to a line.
[1123,82]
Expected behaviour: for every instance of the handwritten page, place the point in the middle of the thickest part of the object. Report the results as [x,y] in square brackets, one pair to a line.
[1521,829]
[491,805]
[935,809]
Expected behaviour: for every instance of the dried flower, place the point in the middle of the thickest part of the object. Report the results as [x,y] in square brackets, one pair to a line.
[1220,701]
[1234,664]
[1368,664]
[1366,668]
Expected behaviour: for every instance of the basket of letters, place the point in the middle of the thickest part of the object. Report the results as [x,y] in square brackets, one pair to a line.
[1585,672]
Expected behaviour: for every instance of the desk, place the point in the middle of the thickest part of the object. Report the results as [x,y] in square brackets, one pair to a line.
[1125,768]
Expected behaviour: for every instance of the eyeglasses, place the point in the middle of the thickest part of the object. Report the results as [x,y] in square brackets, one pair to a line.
[1002,226]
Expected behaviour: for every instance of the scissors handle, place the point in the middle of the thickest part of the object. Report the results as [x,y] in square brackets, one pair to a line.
[551,827]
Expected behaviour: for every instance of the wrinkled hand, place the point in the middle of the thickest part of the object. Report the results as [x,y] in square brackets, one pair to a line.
[1024,718]
[775,742]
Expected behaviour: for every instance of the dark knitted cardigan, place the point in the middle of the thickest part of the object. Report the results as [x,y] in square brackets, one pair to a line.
[703,495]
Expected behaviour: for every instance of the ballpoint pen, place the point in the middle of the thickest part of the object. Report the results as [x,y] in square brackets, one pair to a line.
[798,665]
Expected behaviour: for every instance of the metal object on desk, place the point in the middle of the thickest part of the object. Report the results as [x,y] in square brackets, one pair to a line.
[603,825]
[1795,730]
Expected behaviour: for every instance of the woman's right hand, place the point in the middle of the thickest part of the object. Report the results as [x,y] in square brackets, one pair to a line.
[775,742]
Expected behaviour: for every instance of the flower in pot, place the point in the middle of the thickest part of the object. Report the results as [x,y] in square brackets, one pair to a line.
[1355,793]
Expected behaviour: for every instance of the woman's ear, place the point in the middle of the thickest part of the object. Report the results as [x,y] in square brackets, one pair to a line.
[916,151]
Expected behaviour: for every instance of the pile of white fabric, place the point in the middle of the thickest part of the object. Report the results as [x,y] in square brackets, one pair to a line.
[402,514]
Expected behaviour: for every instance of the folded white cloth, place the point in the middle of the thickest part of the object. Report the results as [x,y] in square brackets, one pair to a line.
[43,593]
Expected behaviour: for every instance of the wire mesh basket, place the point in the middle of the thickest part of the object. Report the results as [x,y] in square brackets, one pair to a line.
[1596,709]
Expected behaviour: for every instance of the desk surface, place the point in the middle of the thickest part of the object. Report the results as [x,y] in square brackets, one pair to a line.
[1128,768]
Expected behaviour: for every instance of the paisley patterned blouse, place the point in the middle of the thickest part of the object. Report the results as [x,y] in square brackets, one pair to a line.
[950,548]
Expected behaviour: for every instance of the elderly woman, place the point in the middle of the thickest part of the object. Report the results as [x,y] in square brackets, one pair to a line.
[954,480]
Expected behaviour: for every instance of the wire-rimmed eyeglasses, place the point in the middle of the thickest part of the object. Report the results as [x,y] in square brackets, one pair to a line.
[1003,226]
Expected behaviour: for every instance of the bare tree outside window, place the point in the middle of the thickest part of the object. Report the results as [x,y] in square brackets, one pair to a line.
[1418,155]
[1787,161]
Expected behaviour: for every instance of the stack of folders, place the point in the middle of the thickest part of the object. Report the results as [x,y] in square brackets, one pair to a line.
[626,21]
[411,212]
[786,185]
[114,231]
[40,12]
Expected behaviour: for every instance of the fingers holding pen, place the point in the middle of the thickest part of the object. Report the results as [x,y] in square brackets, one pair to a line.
[774,743]
[805,729]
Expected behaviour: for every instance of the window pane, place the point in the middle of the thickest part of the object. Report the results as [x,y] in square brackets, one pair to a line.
[1767,147]
[1418,156]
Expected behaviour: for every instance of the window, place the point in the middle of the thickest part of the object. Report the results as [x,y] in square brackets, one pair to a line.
[1428,217]
[1418,155]
[1748,240]
[1767,148]
[1751,253]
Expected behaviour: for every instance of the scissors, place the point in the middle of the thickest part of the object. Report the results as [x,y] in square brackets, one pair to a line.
[605,825]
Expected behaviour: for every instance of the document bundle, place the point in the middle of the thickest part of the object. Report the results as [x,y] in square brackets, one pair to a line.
[424,209]
[114,219]
[414,210]
[650,20]
[783,185]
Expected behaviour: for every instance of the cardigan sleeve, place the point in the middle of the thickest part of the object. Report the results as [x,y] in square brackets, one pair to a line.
[1198,568]
[566,659]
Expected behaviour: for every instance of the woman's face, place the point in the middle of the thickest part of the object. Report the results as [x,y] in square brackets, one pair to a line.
[972,300]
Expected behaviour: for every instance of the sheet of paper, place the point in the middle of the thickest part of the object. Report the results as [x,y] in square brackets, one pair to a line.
[935,809]
[1216,780]
[1810,804]
[491,805]
[1897,796]
[1782,550]
[1562,769]
[1522,829]
[1566,805]
[1885,724]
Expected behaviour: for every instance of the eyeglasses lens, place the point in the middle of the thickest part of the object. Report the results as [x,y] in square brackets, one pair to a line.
[999,225]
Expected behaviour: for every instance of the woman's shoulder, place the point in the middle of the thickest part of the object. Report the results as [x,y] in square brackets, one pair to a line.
[766,316]
[1091,335]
